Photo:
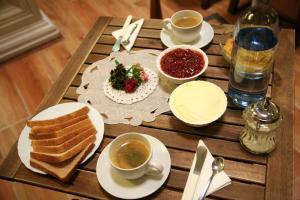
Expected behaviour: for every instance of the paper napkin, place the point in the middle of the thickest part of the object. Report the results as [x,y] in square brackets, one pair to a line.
[220,180]
[134,35]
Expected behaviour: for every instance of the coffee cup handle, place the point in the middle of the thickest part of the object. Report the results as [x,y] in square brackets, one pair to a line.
[154,169]
[165,25]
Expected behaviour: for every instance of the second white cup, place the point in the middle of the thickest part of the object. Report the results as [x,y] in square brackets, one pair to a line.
[185,25]
[130,155]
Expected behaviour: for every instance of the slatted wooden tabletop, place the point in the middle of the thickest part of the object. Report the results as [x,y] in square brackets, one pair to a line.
[253,177]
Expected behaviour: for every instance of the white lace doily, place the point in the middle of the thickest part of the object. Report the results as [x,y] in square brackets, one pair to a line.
[143,91]
[94,77]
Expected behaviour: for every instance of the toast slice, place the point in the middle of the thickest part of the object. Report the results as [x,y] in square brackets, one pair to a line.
[59,140]
[67,144]
[82,111]
[56,127]
[61,157]
[59,133]
[65,170]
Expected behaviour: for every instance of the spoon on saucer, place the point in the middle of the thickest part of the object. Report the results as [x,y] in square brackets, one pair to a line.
[217,166]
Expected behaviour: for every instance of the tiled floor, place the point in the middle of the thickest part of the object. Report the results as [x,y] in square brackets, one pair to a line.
[25,79]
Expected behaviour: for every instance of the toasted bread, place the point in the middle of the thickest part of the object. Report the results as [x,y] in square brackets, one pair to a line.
[65,170]
[61,157]
[67,144]
[82,111]
[59,140]
[58,126]
[59,133]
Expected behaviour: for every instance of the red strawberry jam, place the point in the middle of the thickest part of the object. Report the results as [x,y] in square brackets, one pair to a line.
[182,63]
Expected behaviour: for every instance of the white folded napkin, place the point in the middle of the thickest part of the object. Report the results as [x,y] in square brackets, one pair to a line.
[134,35]
[219,181]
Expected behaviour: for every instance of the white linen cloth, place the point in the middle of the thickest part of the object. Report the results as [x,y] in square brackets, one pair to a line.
[134,35]
[219,181]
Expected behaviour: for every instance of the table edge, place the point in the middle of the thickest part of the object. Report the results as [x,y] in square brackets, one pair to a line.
[11,164]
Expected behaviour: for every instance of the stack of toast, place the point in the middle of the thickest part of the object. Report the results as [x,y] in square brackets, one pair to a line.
[59,145]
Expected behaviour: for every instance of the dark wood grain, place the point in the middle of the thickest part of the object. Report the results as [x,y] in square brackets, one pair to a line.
[280,162]
[176,180]
[253,177]
[11,163]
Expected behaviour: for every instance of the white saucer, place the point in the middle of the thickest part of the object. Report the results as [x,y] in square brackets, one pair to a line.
[24,143]
[120,187]
[206,35]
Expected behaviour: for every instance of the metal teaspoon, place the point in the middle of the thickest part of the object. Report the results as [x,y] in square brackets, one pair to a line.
[217,166]
[125,42]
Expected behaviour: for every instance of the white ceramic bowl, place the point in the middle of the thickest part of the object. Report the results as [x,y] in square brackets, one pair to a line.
[198,103]
[181,80]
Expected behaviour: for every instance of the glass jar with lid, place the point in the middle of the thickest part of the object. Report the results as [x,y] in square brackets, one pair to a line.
[262,120]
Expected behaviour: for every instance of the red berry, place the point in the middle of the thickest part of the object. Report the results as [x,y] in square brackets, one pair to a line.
[130,85]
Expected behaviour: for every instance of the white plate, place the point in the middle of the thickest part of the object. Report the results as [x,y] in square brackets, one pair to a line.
[206,35]
[24,143]
[120,187]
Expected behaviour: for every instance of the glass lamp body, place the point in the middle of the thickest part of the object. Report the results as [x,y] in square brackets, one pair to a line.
[255,42]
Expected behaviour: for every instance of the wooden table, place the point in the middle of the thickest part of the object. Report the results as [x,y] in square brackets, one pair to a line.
[253,177]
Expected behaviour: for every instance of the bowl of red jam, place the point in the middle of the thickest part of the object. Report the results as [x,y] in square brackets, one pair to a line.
[182,63]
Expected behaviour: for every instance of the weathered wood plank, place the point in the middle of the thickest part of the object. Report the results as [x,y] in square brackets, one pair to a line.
[94,57]
[93,189]
[214,60]
[249,172]
[148,23]
[168,122]
[230,116]
[157,24]
[11,163]
[139,42]
[155,34]
[280,162]
[211,72]
[9,158]
[152,43]
[188,142]
[221,137]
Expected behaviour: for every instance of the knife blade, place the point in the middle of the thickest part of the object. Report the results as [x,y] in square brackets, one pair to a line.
[117,44]
[200,158]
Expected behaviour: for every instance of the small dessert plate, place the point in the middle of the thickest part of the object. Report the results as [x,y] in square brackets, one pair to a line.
[205,37]
[120,187]
[24,143]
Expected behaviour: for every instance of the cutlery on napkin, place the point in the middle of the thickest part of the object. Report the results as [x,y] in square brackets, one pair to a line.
[123,32]
[132,35]
[195,184]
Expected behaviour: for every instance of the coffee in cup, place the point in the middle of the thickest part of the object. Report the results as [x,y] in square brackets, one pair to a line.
[185,25]
[130,155]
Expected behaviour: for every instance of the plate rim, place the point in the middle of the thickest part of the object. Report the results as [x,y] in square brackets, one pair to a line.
[162,34]
[161,182]
[25,131]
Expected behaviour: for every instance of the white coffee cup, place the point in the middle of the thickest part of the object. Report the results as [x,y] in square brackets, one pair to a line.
[146,167]
[184,33]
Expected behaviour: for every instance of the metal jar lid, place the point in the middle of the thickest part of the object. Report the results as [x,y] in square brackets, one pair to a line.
[266,111]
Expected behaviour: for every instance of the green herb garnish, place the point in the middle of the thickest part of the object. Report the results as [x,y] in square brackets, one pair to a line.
[118,76]
[128,80]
